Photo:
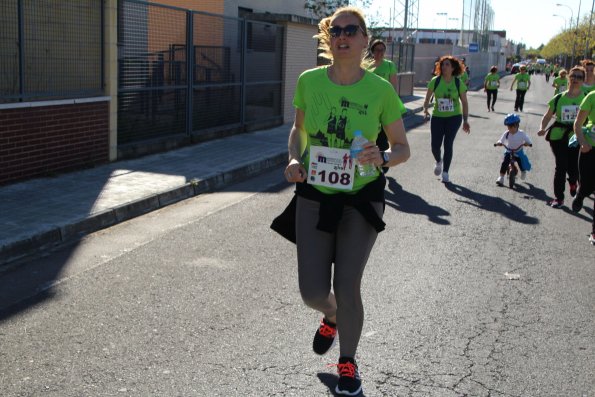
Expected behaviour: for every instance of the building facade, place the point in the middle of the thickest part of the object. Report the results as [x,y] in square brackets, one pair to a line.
[94,81]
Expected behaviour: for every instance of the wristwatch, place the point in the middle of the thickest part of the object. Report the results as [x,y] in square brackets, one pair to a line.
[385,158]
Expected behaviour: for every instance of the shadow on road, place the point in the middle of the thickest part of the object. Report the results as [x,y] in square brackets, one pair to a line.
[330,381]
[493,204]
[413,204]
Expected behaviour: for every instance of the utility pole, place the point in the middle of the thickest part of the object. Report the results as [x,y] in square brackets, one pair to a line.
[587,52]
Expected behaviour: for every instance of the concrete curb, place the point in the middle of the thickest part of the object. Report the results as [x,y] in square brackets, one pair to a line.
[12,252]
[62,235]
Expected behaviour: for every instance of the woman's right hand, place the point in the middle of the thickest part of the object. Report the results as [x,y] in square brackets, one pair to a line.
[295,172]
[586,147]
[541,132]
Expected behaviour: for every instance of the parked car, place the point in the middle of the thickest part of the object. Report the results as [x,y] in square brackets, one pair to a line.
[515,68]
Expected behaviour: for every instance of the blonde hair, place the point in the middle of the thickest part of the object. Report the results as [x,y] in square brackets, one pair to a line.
[324,35]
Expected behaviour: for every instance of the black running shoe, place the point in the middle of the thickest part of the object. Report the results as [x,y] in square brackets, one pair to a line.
[577,204]
[350,383]
[555,203]
[325,337]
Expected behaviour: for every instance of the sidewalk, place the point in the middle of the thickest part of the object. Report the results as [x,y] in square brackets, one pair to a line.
[39,214]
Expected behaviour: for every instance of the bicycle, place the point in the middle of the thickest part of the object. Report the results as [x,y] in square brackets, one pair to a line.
[513,168]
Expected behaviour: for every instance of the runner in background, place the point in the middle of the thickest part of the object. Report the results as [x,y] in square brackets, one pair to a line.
[450,109]
[386,69]
[547,70]
[586,162]
[561,82]
[589,84]
[564,107]
[491,84]
[523,83]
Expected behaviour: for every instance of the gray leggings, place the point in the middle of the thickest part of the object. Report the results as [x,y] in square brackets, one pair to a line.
[349,248]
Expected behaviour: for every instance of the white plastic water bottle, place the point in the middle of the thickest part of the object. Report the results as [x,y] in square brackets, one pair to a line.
[357,146]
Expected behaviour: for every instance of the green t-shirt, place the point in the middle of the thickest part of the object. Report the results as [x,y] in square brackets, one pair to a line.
[386,69]
[492,81]
[588,104]
[587,88]
[334,112]
[561,84]
[464,77]
[446,97]
[522,81]
[566,110]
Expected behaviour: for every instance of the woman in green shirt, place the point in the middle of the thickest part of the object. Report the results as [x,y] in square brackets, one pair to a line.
[564,107]
[450,109]
[589,83]
[337,212]
[560,82]
[386,69]
[490,85]
[586,161]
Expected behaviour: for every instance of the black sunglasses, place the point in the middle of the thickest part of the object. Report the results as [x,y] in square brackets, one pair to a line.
[349,30]
[577,76]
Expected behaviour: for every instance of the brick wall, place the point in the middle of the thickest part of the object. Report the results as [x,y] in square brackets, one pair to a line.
[44,140]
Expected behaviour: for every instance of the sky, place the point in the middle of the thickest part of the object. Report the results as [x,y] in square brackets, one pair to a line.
[529,21]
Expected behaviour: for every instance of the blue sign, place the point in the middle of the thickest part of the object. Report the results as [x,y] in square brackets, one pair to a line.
[473,47]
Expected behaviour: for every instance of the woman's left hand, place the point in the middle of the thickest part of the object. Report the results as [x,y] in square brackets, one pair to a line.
[466,127]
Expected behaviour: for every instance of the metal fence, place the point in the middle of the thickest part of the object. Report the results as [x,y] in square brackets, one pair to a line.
[183,71]
[50,49]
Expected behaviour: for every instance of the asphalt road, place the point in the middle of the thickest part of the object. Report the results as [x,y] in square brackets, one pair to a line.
[472,290]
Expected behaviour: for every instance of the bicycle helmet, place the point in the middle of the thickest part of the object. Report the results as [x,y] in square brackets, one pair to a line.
[512,118]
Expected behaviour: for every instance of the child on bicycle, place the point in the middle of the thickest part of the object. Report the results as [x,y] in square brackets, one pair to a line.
[513,139]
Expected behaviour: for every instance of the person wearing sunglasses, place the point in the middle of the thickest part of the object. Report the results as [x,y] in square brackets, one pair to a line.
[336,214]
[564,107]
[386,69]
[450,109]
[585,135]
[523,83]
[589,83]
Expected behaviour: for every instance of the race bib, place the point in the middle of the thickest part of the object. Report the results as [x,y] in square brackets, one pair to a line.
[522,85]
[493,83]
[331,167]
[562,88]
[445,105]
[569,112]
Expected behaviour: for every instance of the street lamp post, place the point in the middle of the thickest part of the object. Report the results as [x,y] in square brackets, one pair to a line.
[576,30]
[445,15]
[453,41]
[589,33]
[565,22]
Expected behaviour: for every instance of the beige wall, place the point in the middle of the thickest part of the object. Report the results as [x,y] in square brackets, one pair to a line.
[300,55]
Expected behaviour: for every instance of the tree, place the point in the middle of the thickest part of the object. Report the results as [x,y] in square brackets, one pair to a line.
[321,8]
[325,8]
